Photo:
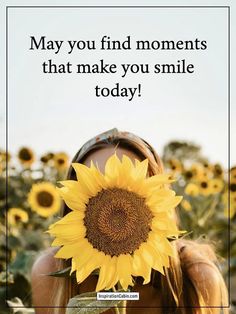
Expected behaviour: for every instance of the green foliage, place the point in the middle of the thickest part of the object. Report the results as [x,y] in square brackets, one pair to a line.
[87,303]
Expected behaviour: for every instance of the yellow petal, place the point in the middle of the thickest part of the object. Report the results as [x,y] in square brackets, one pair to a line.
[112,170]
[98,176]
[73,266]
[124,269]
[74,188]
[71,201]
[141,168]
[70,250]
[161,243]
[71,218]
[89,262]
[165,205]
[102,280]
[125,171]
[112,276]
[162,195]
[85,177]
[140,268]
[146,255]
[159,259]
[58,242]
[158,180]
[71,231]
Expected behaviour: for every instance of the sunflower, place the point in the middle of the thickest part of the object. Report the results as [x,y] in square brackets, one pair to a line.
[207,165]
[232,188]
[120,222]
[26,156]
[175,166]
[5,156]
[16,215]
[188,174]
[216,185]
[205,188]
[186,205]
[229,201]
[44,199]
[204,174]
[191,189]
[233,174]
[61,161]
[47,158]
[218,171]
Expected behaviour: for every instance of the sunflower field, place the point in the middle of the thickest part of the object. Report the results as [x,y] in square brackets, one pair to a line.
[28,187]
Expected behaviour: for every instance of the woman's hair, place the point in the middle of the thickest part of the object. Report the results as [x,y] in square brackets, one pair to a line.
[179,293]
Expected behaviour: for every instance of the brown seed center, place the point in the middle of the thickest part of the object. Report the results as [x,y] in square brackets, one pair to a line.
[25,154]
[60,161]
[45,199]
[17,218]
[233,187]
[117,221]
[204,185]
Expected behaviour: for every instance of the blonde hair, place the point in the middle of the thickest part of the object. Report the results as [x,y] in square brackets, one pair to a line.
[178,290]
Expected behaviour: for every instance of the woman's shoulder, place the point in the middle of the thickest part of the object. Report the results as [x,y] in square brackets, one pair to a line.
[45,262]
[42,284]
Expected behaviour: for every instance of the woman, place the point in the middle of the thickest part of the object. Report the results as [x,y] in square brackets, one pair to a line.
[193,283]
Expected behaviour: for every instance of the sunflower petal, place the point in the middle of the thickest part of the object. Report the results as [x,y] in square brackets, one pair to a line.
[69,250]
[102,280]
[140,171]
[112,170]
[140,268]
[112,276]
[85,177]
[124,268]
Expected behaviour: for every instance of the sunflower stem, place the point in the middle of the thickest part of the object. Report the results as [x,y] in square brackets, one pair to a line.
[123,308]
[116,307]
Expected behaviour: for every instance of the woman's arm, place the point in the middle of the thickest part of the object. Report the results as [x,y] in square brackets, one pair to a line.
[46,290]
[43,286]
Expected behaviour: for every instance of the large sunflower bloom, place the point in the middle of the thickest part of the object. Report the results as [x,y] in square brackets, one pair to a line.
[120,222]
[44,199]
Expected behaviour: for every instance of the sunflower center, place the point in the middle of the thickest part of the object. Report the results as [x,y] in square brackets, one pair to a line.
[25,154]
[204,185]
[117,221]
[233,187]
[60,161]
[17,218]
[45,199]
[188,174]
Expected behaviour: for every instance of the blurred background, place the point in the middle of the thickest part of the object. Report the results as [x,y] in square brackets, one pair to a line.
[184,116]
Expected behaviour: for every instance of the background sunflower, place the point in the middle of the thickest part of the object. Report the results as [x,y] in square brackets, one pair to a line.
[17,215]
[44,199]
[26,156]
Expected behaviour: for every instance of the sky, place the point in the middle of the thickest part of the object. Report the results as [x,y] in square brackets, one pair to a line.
[59,112]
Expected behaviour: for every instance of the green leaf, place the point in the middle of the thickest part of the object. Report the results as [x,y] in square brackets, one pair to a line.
[87,303]
[61,273]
